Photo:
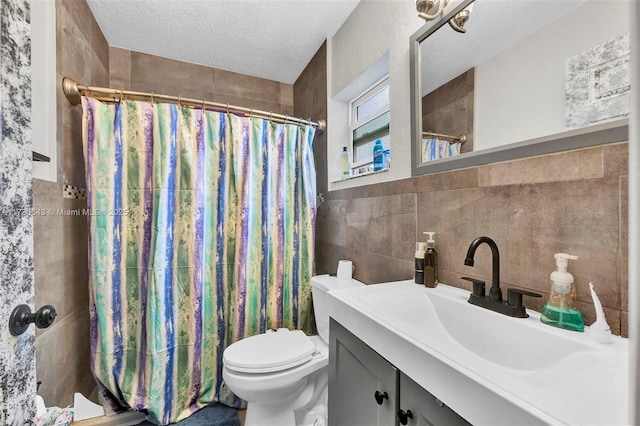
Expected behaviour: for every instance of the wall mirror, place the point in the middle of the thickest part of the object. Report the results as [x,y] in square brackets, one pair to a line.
[525,78]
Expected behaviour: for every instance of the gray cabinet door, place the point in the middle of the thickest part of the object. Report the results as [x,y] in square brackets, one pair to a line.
[356,373]
[425,409]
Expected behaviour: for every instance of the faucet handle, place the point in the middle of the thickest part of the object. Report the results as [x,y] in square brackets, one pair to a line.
[478,286]
[514,296]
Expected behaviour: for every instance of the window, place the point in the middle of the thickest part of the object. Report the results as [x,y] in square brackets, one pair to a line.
[369,121]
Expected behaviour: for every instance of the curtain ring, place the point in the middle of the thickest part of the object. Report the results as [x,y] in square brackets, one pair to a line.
[152,101]
[251,113]
[203,104]
[286,119]
[121,95]
[179,101]
[227,109]
[270,115]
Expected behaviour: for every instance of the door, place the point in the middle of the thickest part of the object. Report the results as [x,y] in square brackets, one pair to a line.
[363,386]
[420,408]
[17,354]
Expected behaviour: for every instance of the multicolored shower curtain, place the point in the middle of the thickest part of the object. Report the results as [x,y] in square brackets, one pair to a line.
[201,232]
[435,149]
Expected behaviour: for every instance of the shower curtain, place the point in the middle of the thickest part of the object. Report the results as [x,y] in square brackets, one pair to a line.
[201,232]
[435,149]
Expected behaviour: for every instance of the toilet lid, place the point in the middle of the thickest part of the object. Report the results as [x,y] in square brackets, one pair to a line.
[269,352]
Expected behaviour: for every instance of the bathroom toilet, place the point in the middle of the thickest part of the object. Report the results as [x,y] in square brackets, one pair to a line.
[283,374]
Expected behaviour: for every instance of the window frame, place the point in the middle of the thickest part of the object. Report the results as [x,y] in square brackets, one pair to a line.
[371,91]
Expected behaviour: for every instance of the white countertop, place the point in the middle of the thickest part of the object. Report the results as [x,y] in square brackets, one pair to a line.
[530,384]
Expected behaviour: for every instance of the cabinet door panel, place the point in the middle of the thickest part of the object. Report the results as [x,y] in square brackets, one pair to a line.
[425,408]
[356,372]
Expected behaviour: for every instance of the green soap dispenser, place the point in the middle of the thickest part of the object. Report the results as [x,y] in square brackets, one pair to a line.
[560,310]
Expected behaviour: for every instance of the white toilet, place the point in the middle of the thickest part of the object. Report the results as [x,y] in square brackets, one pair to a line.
[283,374]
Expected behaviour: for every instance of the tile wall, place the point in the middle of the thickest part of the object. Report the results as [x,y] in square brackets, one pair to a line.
[573,202]
[449,109]
[60,236]
[310,100]
[131,70]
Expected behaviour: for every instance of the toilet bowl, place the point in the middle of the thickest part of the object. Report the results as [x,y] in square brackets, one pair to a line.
[283,374]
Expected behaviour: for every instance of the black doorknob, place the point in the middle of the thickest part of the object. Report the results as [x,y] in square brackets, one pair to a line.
[404,416]
[21,317]
[380,397]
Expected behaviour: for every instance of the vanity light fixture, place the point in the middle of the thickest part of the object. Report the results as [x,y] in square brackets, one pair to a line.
[431,9]
[458,21]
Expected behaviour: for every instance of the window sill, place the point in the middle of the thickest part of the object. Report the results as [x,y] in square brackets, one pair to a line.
[360,175]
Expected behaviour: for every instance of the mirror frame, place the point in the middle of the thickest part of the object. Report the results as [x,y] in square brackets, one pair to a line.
[597,134]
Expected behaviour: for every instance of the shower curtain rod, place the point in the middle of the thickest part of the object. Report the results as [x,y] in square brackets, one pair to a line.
[452,139]
[74,90]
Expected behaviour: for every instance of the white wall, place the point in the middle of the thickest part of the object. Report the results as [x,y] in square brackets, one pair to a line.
[375,28]
[43,85]
[520,93]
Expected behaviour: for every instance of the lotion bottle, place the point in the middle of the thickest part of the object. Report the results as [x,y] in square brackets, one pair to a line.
[345,163]
[431,262]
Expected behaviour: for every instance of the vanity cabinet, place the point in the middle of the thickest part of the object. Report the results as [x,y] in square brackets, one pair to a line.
[426,409]
[366,389]
[363,386]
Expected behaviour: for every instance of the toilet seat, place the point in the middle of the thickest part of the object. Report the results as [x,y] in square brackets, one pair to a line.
[269,352]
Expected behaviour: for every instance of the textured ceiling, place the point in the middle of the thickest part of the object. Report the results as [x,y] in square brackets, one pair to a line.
[272,39]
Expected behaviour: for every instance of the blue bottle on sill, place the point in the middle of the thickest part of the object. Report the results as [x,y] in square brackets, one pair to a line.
[378,156]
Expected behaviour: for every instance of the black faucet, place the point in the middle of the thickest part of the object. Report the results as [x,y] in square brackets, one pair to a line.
[513,306]
[495,293]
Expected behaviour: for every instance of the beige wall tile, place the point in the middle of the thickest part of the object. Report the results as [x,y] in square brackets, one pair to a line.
[119,68]
[388,235]
[79,13]
[372,268]
[286,94]
[309,98]
[449,109]
[360,209]
[71,273]
[616,159]
[623,250]
[83,55]
[256,104]
[72,160]
[245,86]
[150,73]
[62,353]
[327,257]
[331,222]
[624,323]
[572,165]
[456,179]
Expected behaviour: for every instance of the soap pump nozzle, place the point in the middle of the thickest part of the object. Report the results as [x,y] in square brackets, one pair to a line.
[562,260]
[599,330]
[431,242]
[562,280]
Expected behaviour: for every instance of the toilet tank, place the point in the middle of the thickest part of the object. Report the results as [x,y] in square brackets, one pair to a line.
[320,286]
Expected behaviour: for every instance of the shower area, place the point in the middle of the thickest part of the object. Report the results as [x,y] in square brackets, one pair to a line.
[193,132]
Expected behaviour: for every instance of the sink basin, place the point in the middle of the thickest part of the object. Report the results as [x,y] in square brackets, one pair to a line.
[444,313]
